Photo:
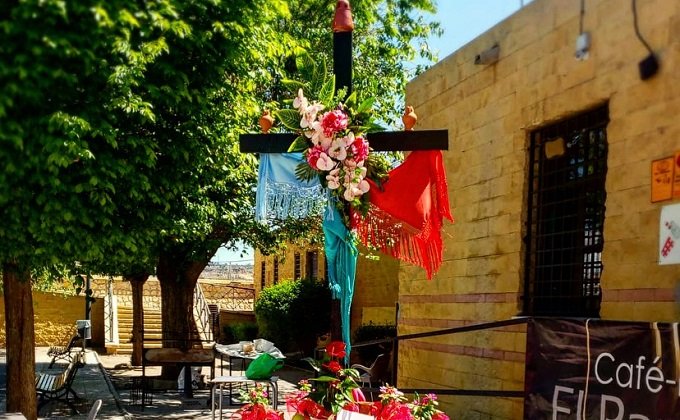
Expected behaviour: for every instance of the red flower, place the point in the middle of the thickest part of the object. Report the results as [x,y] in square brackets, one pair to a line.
[359,149]
[395,411]
[313,154]
[350,406]
[309,408]
[440,416]
[336,349]
[332,366]
[333,121]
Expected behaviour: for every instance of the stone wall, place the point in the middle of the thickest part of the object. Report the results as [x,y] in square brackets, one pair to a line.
[55,318]
[489,111]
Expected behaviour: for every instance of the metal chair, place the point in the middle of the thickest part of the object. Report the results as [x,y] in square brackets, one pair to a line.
[374,373]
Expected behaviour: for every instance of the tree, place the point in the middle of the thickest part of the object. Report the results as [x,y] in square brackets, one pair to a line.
[90,118]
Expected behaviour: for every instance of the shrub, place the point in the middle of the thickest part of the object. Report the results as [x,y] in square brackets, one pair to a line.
[291,314]
[240,331]
[370,332]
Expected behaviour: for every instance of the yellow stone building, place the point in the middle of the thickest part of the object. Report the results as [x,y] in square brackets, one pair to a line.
[549,176]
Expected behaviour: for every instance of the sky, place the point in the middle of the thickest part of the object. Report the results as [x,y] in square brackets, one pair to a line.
[462,21]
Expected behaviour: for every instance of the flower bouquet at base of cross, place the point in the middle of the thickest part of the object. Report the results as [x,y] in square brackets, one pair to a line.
[394,406]
[331,130]
[256,406]
[333,389]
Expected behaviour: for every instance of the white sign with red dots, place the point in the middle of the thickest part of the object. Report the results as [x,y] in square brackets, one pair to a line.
[669,235]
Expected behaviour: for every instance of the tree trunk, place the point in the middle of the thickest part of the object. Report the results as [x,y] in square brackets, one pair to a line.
[137,283]
[20,336]
[177,277]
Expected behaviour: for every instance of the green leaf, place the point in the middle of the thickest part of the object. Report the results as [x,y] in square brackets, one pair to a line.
[351,100]
[366,105]
[298,145]
[304,172]
[305,65]
[293,85]
[290,118]
[326,92]
[324,378]
[319,75]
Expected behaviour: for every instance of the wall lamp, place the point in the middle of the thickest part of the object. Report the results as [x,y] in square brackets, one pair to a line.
[489,56]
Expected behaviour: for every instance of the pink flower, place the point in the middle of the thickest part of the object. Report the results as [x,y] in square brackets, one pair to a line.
[313,154]
[333,121]
[357,395]
[359,149]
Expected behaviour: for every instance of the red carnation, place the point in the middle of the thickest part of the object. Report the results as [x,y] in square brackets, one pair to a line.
[336,349]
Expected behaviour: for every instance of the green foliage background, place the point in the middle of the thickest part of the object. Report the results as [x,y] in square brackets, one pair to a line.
[291,314]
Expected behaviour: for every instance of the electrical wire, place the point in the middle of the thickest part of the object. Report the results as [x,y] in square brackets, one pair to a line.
[583,13]
[637,29]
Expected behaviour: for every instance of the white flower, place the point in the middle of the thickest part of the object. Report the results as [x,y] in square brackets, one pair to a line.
[309,114]
[364,186]
[333,179]
[338,149]
[325,163]
[300,101]
[319,138]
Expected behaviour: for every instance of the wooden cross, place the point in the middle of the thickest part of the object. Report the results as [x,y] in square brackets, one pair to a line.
[382,141]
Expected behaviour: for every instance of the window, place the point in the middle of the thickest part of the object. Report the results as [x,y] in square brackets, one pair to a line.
[276,270]
[565,217]
[298,267]
[313,265]
[263,272]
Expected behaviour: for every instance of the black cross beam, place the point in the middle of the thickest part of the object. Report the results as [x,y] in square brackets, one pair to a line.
[342,68]
[380,141]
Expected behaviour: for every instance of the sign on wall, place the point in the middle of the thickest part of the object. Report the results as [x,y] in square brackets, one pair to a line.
[665,183]
[669,235]
[595,369]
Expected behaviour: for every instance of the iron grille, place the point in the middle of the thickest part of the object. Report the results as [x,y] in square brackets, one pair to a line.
[263,273]
[565,217]
[313,265]
[276,270]
[298,266]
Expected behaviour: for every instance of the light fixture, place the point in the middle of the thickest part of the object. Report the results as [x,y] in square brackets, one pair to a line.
[489,56]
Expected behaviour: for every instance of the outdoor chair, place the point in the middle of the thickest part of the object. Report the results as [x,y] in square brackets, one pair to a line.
[53,387]
[375,373]
[62,352]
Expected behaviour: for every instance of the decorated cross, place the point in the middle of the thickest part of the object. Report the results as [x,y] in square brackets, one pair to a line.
[421,248]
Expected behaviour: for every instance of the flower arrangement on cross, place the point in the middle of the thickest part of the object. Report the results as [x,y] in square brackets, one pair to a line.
[332,129]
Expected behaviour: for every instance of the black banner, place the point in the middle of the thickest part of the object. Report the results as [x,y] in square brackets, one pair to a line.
[602,370]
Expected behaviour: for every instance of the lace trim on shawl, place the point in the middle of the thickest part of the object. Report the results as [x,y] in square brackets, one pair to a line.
[285,200]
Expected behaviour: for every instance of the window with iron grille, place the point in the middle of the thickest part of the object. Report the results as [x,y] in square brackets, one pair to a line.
[276,270]
[297,267]
[263,272]
[312,265]
[565,217]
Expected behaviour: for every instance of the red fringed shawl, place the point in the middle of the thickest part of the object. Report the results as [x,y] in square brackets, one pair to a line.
[405,217]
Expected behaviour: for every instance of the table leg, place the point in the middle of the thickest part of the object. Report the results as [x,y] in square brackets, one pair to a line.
[212,401]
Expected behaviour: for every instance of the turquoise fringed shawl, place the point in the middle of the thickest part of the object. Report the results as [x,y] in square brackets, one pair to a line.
[341,256]
[280,194]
